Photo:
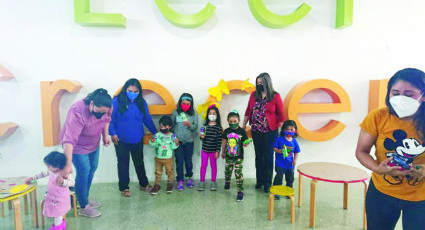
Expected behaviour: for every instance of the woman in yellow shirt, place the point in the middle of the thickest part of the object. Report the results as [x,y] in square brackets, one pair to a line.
[397,133]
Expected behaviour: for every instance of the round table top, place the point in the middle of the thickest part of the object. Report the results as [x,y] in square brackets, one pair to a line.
[332,172]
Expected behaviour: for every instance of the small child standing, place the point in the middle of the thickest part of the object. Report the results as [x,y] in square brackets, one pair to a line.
[164,142]
[286,149]
[211,135]
[234,138]
[185,123]
[57,202]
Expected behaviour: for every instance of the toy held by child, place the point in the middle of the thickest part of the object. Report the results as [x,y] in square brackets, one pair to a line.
[185,123]
[164,142]
[234,138]
[286,149]
[210,135]
[57,202]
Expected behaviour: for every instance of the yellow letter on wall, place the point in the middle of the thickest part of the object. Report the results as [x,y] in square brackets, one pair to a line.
[51,93]
[377,93]
[341,103]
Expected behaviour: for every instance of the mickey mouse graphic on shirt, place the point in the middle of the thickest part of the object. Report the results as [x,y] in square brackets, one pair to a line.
[403,151]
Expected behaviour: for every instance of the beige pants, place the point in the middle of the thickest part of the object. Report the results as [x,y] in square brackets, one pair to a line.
[159,164]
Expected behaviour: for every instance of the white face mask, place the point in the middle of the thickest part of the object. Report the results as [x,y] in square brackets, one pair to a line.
[405,106]
[212,117]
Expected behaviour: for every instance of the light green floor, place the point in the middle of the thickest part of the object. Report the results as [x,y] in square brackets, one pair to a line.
[191,209]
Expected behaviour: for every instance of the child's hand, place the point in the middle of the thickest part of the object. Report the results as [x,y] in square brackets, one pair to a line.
[28,180]
[294,162]
[223,155]
[187,124]
[202,136]
[152,140]
[246,145]
[217,154]
[176,140]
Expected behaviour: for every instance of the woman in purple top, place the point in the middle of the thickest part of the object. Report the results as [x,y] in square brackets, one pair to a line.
[87,120]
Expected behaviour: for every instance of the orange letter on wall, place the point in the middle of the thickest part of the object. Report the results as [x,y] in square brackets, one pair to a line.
[377,93]
[341,103]
[51,93]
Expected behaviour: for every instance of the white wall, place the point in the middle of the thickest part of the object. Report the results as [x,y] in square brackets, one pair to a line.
[39,41]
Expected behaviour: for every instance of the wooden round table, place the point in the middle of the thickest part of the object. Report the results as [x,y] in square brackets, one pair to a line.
[333,173]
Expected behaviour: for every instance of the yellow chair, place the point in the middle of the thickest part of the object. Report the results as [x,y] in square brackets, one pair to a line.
[74,204]
[282,191]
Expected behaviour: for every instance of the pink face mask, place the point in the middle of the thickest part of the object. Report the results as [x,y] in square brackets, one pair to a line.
[185,107]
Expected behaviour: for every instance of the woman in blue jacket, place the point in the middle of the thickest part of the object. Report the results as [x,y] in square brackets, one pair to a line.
[130,113]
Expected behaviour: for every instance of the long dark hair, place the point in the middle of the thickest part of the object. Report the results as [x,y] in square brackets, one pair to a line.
[55,159]
[185,96]
[218,120]
[100,98]
[268,87]
[123,99]
[416,78]
[286,124]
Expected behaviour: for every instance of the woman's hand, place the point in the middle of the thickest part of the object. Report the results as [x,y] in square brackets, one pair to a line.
[115,139]
[176,141]
[223,155]
[418,171]
[384,168]
[188,124]
[106,141]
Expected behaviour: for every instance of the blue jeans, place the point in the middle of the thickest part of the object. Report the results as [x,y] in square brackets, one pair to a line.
[289,176]
[383,211]
[184,156]
[263,145]
[86,165]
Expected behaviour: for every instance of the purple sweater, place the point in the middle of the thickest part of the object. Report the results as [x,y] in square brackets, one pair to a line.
[82,130]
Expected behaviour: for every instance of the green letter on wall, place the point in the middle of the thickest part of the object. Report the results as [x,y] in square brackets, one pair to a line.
[269,19]
[185,20]
[84,17]
[344,13]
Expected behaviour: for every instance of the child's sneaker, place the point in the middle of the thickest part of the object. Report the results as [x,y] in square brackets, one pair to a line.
[239,197]
[62,226]
[180,186]
[155,189]
[213,186]
[189,183]
[276,197]
[170,187]
[226,186]
[89,212]
[201,186]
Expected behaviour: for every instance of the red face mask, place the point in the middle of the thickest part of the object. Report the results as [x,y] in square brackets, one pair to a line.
[185,107]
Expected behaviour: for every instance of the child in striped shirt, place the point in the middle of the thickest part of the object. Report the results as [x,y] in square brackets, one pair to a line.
[211,143]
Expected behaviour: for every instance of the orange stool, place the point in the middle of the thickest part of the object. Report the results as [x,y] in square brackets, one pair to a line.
[74,204]
[282,191]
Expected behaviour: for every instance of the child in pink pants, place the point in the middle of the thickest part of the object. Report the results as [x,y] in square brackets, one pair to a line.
[211,135]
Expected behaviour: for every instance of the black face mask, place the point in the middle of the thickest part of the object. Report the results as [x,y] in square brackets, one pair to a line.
[164,130]
[259,88]
[98,115]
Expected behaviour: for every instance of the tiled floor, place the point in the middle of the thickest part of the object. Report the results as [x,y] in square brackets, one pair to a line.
[191,209]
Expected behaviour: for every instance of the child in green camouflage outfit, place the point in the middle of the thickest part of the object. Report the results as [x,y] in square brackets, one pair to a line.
[234,139]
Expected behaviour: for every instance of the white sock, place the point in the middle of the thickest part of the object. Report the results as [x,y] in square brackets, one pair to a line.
[58,220]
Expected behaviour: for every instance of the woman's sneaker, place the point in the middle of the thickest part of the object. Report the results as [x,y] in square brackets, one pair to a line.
[147,188]
[180,186]
[239,197]
[94,204]
[213,186]
[201,186]
[189,183]
[155,189]
[89,212]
